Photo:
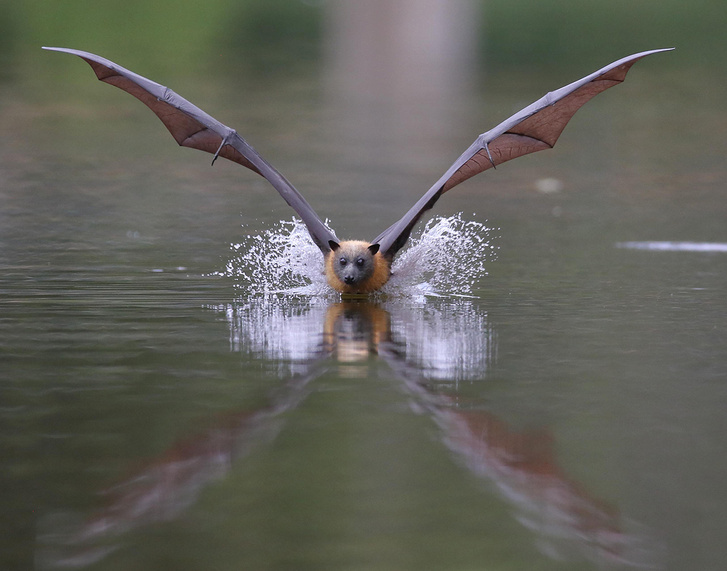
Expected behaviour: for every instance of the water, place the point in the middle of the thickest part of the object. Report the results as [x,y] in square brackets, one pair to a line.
[542,384]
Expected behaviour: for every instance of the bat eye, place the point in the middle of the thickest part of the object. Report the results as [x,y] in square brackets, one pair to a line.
[360,262]
[343,261]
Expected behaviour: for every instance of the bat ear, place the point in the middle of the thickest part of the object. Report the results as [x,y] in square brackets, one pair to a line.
[373,248]
[334,245]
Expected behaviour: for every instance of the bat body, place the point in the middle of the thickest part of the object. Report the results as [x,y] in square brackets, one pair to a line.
[354,266]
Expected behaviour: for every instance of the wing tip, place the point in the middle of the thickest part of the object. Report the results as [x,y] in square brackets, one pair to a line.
[57,49]
[71,51]
[640,55]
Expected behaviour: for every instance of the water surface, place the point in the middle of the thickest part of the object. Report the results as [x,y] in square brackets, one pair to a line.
[566,411]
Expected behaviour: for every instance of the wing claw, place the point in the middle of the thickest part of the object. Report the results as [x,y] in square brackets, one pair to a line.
[225,141]
[489,156]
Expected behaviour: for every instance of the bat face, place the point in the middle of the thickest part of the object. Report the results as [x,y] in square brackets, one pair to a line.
[356,267]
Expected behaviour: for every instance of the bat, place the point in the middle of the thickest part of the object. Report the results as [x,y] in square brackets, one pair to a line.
[353,266]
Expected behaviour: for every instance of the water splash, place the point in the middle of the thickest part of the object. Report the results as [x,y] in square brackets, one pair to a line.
[282,259]
[447,258]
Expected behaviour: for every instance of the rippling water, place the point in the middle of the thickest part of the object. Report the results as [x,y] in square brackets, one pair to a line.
[675,246]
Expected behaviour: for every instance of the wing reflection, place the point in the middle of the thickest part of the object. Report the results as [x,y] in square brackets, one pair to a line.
[429,349]
[524,468]
[166,485]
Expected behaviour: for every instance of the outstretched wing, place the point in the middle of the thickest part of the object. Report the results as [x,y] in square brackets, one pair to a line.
[535,128]
[192,127]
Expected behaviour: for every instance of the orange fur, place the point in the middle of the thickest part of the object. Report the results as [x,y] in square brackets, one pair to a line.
[373,326]
[381,274]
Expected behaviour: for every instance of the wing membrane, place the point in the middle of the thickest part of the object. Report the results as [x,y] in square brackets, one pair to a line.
[191,127]
[534,128]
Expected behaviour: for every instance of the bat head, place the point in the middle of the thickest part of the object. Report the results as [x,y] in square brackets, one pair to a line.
[356,267]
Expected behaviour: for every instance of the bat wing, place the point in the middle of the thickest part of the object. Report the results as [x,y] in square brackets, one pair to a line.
[535,128]
[192,127]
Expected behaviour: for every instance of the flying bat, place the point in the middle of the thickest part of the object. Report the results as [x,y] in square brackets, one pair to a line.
[353,266]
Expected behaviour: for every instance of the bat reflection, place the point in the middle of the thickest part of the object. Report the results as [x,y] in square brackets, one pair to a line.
[418,346]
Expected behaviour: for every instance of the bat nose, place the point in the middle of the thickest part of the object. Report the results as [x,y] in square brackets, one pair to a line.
[348,279]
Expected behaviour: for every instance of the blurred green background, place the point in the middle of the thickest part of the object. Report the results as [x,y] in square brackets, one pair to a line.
[279,34]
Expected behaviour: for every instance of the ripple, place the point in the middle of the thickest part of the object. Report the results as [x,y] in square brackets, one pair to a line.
[675,246]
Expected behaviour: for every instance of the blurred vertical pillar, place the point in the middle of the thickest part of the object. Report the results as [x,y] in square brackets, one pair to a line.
[398,69]
[384,49]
